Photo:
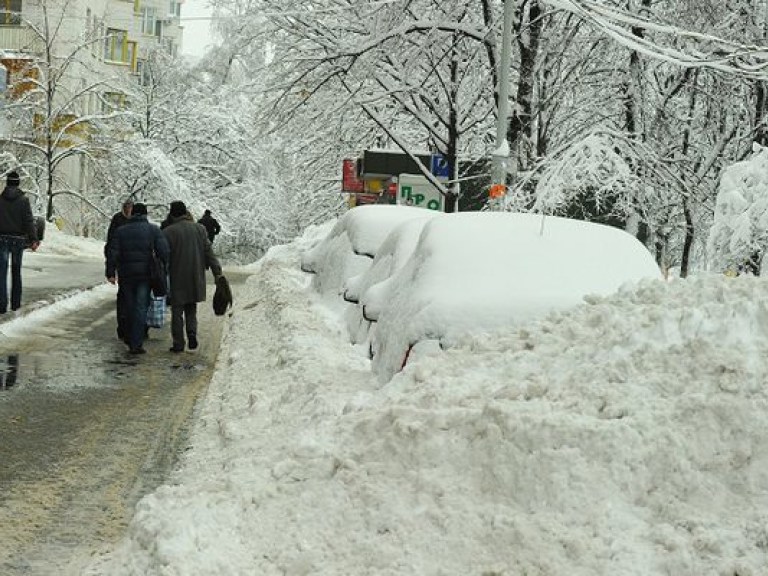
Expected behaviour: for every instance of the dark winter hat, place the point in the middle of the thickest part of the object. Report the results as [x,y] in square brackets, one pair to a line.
[178,208]
[139,208]
[13,178]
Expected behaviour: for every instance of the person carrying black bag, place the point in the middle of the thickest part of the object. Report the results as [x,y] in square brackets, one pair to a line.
[191,255]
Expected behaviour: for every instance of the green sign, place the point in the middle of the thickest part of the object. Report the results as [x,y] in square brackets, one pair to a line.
[418,191]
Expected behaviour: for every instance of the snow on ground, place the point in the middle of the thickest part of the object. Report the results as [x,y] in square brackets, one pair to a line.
[64,265]
[58,243]
[628,436]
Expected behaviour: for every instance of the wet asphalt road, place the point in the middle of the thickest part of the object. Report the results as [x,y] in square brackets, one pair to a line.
[87,429]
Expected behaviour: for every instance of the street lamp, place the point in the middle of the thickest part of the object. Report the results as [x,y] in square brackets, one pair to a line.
[502,152]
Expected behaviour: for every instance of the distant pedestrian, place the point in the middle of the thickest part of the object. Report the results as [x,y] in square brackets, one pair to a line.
[128,263]
[211,225]
[166,222]
[118,219]
[191,255]
[17,231]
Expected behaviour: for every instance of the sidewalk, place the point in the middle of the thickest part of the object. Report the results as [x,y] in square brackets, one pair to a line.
[62,267]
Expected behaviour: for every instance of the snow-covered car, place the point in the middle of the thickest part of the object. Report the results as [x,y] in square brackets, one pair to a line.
[351,245]
[479,271]
[368,290]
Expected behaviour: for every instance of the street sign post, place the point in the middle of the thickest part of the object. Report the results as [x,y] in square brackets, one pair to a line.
[439,166]
[502,152]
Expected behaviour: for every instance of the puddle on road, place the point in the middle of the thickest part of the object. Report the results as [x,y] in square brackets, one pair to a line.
[60,371]
[9,371]
[53,370]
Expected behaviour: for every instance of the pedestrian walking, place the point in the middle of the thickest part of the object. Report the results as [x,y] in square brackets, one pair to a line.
[118,219]
[211,225]
[191,255]
[129,263]
[166,222]
[17,232]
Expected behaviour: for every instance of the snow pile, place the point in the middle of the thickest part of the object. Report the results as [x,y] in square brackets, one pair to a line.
[483,270]
[58,243]
[350,246]
[740,227]
[626,436]
[370,289]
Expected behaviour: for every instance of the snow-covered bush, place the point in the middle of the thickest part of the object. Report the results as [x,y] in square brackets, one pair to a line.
[739,232]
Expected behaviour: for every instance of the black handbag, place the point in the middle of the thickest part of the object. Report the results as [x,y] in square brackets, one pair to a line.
[157,277]
[222,298]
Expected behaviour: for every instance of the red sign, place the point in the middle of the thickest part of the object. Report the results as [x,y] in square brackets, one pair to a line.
[349,180]
[361,199]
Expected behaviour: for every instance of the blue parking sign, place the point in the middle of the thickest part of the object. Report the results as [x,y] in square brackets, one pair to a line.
[439,166]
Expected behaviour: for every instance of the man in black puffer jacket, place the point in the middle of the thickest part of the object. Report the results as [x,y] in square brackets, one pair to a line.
[17,231]
[129,262]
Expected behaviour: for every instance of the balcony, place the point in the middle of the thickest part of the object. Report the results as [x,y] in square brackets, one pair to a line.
[19,39]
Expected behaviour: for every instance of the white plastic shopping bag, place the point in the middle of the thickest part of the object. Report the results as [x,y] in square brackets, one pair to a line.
[156,312]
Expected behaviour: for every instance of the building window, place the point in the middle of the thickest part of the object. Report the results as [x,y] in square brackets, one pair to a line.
[148,20]
[113,101]
[117,47]
[131,54]
[143,72]
[174,8]
[10,12]
[170,46]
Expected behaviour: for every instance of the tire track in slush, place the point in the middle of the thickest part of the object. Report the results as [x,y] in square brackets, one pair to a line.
[87,430]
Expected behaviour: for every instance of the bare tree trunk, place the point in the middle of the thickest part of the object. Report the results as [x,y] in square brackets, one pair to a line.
[688,242]
[488,21]
[761,111]
[520,127]
[686,144]
[633,85]
[50,89]
[451,199]
[761,94]
[632,93]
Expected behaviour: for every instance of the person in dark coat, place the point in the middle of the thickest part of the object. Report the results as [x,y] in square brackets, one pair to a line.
[129,263]
[17,231]
[191,255]
[118,219]
[211,225]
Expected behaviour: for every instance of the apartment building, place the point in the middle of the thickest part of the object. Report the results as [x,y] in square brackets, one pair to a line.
[101,41]
[120,33]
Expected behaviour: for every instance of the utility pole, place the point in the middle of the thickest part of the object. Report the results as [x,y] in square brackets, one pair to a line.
[502,152]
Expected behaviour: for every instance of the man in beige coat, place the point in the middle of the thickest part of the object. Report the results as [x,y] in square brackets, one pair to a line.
[191,255]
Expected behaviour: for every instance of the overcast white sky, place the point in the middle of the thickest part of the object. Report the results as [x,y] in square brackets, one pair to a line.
[197,34]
